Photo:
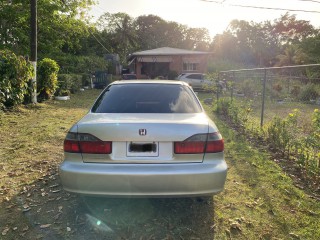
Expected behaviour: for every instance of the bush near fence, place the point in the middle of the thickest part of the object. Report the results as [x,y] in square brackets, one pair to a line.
[47,82]
[69,82]
[280,106]
[283,135]
[15,73]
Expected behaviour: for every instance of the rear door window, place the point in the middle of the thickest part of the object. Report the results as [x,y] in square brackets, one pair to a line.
[195,76]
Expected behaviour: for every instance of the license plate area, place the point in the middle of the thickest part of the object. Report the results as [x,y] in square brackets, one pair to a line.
[142,149]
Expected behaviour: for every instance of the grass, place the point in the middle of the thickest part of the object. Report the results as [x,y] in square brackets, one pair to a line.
[32,138]
[259,201]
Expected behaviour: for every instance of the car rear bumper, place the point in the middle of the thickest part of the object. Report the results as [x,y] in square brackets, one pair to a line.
[144,180]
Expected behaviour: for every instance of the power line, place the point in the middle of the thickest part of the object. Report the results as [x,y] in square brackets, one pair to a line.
[267,8]
[99,42]
[278,9]
[314,1]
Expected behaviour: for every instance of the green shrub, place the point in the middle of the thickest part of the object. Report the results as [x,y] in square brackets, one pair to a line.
[248,87]
[296,91]
[309,92]
[71,82]
[223,106]
[15,73]
[281,133]
[47,81]
[80,64]
[309,153]
[86,79]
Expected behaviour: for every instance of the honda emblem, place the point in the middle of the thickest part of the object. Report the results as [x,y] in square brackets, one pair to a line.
[142,132]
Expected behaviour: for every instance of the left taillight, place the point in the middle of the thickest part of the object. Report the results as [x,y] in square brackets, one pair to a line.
[86,143]
[200,143]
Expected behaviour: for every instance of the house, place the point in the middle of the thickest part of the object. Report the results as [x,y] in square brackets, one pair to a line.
[165,61]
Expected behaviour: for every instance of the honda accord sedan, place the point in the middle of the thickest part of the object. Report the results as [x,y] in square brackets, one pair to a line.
[145,138]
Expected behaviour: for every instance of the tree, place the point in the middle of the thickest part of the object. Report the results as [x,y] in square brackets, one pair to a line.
[311,46]
[196,39]
[292,55]
[287,29]
[149,30]
[59,26]
[118,30]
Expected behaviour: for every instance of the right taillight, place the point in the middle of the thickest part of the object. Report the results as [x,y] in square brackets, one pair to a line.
[200,143]
[86,143]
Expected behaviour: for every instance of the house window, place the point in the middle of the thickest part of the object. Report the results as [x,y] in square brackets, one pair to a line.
[190,66]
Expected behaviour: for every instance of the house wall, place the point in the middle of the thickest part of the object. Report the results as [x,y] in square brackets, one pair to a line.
[177,64]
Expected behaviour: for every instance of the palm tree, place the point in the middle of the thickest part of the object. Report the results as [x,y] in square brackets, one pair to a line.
[293,55]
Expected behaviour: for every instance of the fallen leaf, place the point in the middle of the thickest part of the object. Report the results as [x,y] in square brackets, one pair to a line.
[5,231]
[236,226]
[295,236]
[56,191]
[25,229]
[25,206]
[45,226]
[26,209]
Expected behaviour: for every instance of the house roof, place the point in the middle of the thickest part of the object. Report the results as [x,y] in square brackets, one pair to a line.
[166,51]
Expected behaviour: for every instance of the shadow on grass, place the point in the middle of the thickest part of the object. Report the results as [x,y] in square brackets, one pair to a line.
[44,211]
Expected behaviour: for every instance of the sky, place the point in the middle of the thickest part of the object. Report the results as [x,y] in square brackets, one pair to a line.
[215,15]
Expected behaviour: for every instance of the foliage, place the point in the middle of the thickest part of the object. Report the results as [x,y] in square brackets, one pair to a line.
[119,29]
[61,27]
[307,150]
[259,44]
[311,46]
[47,82]
[69,82]
[216,64]
[292,55]
[282,134]
[67,36]
[238,114]
[80,64]
[15,73]
[309,92]
[248,87]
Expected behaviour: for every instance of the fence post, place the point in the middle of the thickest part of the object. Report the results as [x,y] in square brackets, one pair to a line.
[232,84]
[217,86]
[263,96]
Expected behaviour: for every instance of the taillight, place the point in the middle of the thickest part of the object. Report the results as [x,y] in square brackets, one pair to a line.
[86,143]
[200,143]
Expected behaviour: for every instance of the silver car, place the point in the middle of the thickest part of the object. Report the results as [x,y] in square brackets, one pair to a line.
[144,138]
[195,80]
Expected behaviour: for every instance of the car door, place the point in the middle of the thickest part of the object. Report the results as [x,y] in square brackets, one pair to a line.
[195,80]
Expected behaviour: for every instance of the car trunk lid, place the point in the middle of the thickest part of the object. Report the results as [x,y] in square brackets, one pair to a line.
[143,138]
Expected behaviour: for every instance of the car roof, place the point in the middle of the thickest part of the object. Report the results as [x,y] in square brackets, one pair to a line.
[150,82]
[192,73]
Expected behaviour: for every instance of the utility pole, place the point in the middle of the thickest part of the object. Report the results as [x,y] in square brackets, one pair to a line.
[33,45]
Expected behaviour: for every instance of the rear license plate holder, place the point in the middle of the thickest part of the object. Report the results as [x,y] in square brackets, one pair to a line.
[142,149]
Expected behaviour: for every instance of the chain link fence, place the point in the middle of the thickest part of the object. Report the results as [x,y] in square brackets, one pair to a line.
[280,105]
[275,91]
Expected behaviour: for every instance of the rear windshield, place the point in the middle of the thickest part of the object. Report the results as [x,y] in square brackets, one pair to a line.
[147,98]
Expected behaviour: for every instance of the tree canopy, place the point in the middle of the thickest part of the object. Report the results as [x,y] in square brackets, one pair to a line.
[66,35]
